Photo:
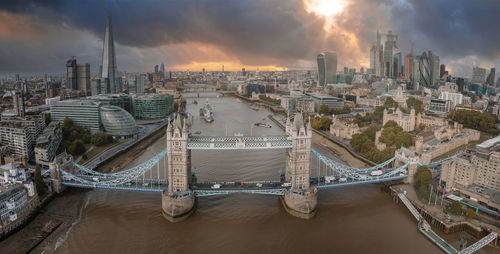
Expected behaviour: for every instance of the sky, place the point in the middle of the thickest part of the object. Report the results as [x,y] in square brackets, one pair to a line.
[39,36]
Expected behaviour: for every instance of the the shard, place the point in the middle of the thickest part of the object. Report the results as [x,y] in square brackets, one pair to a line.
[109,76]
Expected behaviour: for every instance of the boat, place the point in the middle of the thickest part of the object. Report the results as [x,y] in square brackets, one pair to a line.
[197,132]
[265,125]
[256,108]
[207,113]
[264,118]
[195,102]
[238,100]
[239,134]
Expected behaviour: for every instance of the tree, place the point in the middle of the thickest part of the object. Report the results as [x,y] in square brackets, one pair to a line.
[371,131]
[423,177]
[470,213]
[77,147]
[455,208]
[323,109]
[403,138]
[99,139]
[67,123]
[416,104]
[321,123]
[39,184]
[390,103]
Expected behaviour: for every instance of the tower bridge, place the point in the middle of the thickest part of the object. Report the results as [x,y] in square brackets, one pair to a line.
[179,187]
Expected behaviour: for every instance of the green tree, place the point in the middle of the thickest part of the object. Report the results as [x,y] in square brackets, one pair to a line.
[390,103]
[403,138]
[77,147]
[39,184]
[321,123]
[99,139]
[422,177]
[371,131]
[455,208]
[67,123]
[416,104]
[323,109]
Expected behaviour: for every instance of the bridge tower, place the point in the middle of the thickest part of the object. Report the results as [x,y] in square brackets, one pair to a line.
[300,200]
[403,156]
[178,201]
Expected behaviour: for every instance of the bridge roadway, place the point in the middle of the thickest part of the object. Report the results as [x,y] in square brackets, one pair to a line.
[237,143]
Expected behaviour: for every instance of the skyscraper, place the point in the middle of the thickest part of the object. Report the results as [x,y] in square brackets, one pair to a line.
[390,50]
[162,69]
[478,75]
[490,80]
[409,59]
[428,69]
[83,78]
[109,78]
[442,70]
[71,80]
[376,56]
[327,67]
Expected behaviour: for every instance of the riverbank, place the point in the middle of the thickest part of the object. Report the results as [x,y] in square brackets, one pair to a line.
[458,228]
[51,224]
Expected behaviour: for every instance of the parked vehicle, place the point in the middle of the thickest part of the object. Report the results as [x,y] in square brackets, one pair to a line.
[343,179]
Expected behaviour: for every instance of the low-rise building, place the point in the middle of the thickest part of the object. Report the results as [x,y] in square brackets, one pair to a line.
[343,129]
[330,101]
[406,121]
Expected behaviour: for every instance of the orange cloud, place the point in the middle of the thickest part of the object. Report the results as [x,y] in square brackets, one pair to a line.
[228,66]
[19,27]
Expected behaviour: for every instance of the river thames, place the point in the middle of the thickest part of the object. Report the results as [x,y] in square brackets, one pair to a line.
[358,219]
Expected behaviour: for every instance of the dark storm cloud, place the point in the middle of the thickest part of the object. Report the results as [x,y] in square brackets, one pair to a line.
[282,32]
[261,27]
[454,28]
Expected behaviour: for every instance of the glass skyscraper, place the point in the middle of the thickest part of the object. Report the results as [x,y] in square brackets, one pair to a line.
[327,67]
[109,77]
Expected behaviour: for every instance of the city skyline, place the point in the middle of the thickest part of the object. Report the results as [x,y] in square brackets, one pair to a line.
[264,35]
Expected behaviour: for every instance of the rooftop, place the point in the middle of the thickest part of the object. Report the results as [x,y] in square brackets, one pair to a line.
[489,143]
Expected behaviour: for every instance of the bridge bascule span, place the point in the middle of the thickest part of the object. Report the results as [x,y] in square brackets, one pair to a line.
[169,171]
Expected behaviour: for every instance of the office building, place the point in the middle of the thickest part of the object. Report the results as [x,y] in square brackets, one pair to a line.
[390,50]
[428,70]
[71,74]
[478,75]
[162,69]
[17,202]
[442,70]
[95,86]
[48,143]
[84,113]
[83,78]
[152,106]
[331,102]
[109,70]
[376,56]
[490,80]
[409,67]
[454,98]
[439,106]
[327,67]
[118,123]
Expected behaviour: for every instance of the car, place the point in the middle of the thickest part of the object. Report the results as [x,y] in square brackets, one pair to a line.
[286,185]
[343,179]
[259,185]
[216,186]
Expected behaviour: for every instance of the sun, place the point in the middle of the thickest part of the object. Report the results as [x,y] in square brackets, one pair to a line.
[326,8]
